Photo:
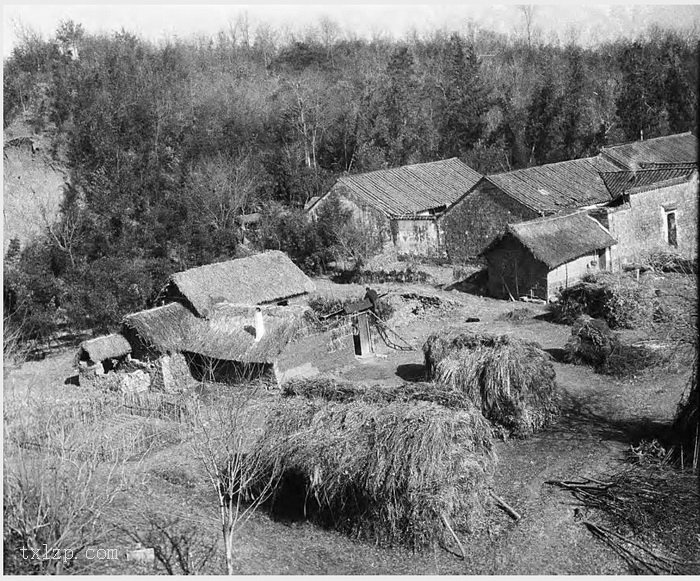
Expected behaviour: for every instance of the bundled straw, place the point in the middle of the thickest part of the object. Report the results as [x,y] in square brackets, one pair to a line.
[398,473]
[687,425]
[331,389]
[510,380]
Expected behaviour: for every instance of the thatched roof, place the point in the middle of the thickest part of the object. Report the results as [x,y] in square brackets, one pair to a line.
[228,334]
[679,148]
[559,239]
[409,189]
[254,280]
[102,348]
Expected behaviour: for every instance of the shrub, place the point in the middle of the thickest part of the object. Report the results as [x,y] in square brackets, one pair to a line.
[592,342]
[617,298]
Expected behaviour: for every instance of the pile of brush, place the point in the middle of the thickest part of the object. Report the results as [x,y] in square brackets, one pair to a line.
[400,473]
[592,342]
[510,380]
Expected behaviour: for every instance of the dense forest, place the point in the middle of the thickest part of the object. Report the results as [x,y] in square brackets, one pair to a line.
[169,143]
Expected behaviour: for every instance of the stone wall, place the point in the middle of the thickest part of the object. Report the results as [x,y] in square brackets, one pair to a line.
[416,237]
[477,219]
[639,225]
[569,273]
[315,354]
[512,270]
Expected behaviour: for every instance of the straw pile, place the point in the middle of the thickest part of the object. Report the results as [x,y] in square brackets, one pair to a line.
[392,474]
[331,389]
[510,380]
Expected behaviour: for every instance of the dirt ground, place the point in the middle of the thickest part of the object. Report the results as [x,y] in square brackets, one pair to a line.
[602,416]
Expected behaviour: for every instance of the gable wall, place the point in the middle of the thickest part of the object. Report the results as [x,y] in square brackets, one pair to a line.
[512,270]
[639,226]
[478,219]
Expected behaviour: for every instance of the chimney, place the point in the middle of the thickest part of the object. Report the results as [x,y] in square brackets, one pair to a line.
[259,324]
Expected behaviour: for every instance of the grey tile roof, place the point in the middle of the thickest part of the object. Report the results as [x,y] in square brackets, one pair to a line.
[411,189]
[678,148]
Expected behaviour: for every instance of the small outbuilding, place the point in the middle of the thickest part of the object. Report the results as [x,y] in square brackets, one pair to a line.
[540,257]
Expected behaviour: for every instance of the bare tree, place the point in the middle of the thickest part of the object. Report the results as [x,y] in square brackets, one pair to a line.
[221,187]
[528,11]
[242,481]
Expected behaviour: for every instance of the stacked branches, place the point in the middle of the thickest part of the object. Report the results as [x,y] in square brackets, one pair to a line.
[401,473]
[510,380]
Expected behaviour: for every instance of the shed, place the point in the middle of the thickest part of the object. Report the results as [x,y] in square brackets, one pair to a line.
[266,278]
[103,349]
[539,257]
[402,204]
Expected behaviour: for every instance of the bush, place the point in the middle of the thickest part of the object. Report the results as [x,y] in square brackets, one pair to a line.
[592,342]
[617,298]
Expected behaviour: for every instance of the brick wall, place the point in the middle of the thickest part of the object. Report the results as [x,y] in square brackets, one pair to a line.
[639,226]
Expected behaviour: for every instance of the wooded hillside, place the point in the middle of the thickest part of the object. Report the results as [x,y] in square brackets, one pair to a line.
[169,143]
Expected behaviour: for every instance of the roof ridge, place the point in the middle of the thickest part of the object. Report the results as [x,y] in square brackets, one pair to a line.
[398,167]
[645,140]
[556,216]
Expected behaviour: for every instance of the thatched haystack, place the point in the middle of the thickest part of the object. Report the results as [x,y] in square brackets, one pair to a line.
[592,342]
[331,389]
[392,474]
[510,380]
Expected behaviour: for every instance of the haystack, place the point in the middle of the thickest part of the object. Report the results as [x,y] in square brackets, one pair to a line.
[510,380]
[392,474]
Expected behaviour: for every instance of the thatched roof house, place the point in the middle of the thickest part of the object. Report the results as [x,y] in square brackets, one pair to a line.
[228,334]
[231,334]
[266,278]
[99,349]
[538,257]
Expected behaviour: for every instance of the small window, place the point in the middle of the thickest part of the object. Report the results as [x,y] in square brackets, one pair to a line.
[671,229]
